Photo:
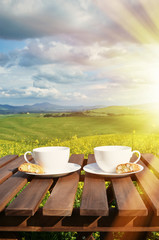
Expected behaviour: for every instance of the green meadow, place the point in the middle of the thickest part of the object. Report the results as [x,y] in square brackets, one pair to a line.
[89,123]
[81,132]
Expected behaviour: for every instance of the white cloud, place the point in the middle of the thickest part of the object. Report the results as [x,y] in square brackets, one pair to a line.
[120,74]
[39,92]
[36,18]
[2,70]
[77,96]
[30,92]
[78,51]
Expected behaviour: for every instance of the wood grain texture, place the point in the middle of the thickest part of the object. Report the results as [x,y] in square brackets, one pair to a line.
[11,187]
[94,200]
[74,223]
[27,203]
[150,185]
[151,161]
[61,197]
[128,199]
[134,236]
[91,159]
[106,236]
[6,159]
[61,200]
[10,168]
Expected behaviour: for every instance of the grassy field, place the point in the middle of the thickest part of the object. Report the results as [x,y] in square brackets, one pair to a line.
[80,132]
[36,126]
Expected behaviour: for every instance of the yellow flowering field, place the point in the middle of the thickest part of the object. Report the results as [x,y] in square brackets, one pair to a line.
[143,143]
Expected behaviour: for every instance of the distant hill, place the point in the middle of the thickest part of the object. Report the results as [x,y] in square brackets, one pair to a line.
[90,111]
[125,110]
[40,108]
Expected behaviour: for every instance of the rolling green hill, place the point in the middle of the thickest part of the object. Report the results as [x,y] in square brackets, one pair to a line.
[117,121]
[118,110]
[106,126]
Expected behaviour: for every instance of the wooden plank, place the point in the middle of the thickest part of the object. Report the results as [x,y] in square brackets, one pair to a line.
[128,199]
[77,158]
[6,159]
[27,203]
[8,170]
[151,161]
[74,223]
[134,236]
[150,185]
[11,187]
[61,200]
[94,200]
[106,236]
[78,229]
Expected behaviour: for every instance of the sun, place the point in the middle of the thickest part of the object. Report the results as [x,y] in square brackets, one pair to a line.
[154,74]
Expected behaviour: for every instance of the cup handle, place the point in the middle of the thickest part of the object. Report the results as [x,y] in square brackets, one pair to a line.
[135,151]
[25,157]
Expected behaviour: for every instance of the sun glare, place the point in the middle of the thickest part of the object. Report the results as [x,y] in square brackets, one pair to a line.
[154,82]
[155,74]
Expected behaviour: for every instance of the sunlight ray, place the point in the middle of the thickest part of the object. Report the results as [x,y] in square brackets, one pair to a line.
[123,16]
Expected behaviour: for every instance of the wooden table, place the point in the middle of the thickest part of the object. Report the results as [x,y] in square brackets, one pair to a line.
[132,211]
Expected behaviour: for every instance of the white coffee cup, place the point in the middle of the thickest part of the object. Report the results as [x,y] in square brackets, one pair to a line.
[51,159]
[108,157]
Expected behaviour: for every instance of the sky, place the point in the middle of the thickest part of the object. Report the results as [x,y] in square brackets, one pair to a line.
[79,52]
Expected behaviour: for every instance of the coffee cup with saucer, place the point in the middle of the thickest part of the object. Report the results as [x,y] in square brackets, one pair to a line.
[108,157]
[53,160]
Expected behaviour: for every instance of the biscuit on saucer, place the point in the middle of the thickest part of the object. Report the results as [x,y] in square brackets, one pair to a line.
[127,168]
[31,168]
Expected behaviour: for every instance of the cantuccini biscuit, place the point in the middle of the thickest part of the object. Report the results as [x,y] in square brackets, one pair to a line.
[127,167]
[31,168]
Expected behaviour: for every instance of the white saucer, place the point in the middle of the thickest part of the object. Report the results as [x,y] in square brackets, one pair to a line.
[94,169]
[71,167]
